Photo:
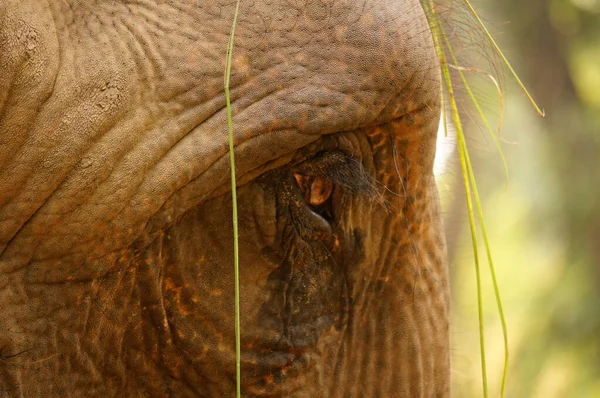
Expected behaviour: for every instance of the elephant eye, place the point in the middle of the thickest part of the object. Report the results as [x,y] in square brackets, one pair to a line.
[316,190]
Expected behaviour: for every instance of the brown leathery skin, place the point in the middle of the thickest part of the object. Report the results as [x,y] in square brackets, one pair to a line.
[115,248]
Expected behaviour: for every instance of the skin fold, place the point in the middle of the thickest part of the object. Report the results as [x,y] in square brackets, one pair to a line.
[116,264]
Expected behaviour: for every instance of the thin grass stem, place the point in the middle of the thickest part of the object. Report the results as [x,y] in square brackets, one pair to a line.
[236,256]
[480,210]
[492,273]
[437,34]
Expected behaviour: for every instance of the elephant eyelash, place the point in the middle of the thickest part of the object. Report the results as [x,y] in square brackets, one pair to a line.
[327,177]
[336,168]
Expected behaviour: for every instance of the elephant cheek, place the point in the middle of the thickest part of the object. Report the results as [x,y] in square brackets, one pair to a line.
[397,340]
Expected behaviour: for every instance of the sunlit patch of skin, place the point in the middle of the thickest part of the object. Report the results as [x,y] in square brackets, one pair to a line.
[445,147]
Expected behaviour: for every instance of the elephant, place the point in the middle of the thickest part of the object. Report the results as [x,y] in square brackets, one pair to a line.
[116,264]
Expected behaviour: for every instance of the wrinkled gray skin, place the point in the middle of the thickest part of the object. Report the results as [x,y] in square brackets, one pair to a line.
[116,270]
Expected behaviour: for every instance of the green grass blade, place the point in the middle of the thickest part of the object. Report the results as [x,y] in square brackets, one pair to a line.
[480,210]
[480,213]
[492,271]
[471,190]
[236,255]
[437,34]
[501,54]
[462,150]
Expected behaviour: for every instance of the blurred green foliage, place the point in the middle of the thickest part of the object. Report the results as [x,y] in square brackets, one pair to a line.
[545,224]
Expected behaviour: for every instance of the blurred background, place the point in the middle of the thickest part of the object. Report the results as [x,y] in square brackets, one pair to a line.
[544,223]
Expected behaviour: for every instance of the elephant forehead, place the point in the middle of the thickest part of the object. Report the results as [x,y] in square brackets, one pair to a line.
[310,66]
[129,123]
[331,66]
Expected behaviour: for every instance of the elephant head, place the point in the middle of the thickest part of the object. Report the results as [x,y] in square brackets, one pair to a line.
[116,267]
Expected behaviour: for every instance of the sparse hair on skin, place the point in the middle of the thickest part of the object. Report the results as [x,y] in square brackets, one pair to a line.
[342,170]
